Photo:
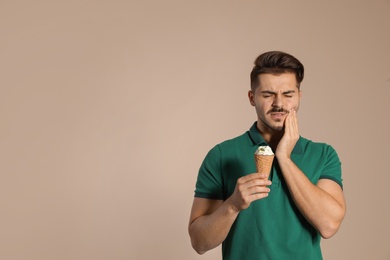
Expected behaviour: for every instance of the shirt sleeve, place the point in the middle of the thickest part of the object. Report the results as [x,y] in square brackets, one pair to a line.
[209,181]
[332,168]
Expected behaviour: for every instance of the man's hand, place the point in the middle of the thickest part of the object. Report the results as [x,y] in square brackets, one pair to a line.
[322,205]
[211,220]
[290,136]
[248,189]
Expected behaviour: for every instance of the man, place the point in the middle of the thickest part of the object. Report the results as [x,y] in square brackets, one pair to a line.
[285,216]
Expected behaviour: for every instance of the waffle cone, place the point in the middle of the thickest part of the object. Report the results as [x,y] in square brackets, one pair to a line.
[264,163]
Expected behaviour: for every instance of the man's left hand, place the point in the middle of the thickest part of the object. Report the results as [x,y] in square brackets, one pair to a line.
[290,136]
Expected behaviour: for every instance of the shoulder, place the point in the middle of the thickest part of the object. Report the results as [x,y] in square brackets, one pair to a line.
[230,146]
[312,146]
[235,142]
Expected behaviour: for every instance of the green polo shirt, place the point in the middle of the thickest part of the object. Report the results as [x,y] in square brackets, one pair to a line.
[271,228]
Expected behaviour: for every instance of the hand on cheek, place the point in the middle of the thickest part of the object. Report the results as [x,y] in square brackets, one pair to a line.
[290,136]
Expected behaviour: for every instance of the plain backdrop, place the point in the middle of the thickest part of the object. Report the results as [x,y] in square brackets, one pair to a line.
[107,109]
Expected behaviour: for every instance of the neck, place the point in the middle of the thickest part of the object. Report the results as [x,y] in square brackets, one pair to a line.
[272,137]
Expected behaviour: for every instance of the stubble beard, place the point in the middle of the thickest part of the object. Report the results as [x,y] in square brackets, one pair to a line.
[276,129]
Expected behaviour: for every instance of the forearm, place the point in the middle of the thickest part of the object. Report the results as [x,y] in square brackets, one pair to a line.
[322,210]
[209,231]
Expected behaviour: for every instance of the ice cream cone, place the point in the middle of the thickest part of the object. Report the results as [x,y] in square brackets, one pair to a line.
[264,158]
[264,163]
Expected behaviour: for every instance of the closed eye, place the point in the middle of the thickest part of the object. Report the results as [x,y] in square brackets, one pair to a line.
[289,93]
[267,93]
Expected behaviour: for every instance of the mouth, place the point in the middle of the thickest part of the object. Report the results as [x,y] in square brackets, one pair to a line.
[277,115]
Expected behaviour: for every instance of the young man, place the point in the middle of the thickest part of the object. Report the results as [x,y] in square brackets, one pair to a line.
[285,216]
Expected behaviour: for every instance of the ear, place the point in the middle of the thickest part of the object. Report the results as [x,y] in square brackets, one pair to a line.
[251,97]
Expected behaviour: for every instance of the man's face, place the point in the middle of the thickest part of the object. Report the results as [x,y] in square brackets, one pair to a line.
[275,96]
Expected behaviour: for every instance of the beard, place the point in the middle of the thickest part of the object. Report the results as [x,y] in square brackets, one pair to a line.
[276,128]
[275,125]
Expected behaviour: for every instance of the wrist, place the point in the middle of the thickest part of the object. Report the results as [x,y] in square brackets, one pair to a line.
[283,158]
[231,207]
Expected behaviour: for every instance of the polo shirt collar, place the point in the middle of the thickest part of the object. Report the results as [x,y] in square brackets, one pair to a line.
[258,139]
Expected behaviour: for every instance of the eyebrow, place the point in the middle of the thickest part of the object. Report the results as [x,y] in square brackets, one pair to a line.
[273,92]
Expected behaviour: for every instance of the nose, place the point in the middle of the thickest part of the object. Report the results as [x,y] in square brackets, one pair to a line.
[277,102]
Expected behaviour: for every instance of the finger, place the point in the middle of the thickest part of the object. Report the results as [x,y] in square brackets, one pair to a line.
[291,125]
[258,196]
[294,118]
[257,189]
[245,186]
[251,177]
[258,182]
[287,124]
[262,175]
[294,123]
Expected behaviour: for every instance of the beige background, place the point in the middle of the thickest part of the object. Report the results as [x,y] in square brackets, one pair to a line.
[107,109]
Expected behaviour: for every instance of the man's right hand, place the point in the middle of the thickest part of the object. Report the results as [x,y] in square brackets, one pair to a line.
[211,220]
[248,189]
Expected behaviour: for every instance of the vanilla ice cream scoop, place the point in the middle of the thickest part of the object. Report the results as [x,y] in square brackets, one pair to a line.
[264,150]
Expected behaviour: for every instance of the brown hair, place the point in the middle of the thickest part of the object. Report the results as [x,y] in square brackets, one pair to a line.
[276,62]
